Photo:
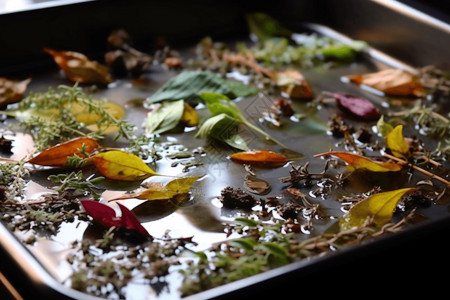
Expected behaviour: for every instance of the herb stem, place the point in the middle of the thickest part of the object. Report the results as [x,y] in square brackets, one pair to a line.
[403,162]
[265,134]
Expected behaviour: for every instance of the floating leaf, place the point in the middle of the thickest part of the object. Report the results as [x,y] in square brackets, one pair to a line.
[160,191]
[358,162]
[164,118]
[356,106]
[189,84]
[256,185]
[220,104]
[263,158]
[390,82]
[120,165]
[11,91]
[396,142]
[58,155]
[79,68]
[379,207]
[293,83]
[222,128]
[106,216]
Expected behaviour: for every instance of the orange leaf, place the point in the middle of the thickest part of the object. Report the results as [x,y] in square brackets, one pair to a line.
[355,161]
[390,82]
[79,68]
[260,158]
[57,156]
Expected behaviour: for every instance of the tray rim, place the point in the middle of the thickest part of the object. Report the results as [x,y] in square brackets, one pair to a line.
[39,275]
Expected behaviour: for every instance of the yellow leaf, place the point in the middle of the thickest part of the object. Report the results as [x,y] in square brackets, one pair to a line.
[396,143]
[90,117]
[355,161]
[380,207]
[120,165]
[160,191]
[189,117]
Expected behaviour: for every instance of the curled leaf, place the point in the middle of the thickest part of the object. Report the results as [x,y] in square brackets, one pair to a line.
[164,118]
[120,165]
[293,83]
[79,68]
[358,162]
[379,207]
[263,158]
[58,155]
[356,106]
[106,216]
[11,91]
[160,191]
[222,128]
[390,82]
[396,142]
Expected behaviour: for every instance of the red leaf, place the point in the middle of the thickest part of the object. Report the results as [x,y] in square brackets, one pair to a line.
[106,216]
[357,106]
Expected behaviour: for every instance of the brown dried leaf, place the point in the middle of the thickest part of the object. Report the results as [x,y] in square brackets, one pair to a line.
[391,82]
[79,68]
[293,83]
[12,91]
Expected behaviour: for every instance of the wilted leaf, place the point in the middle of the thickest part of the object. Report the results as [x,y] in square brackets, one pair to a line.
[11,91]
[160,191]
[57,155]
[79,68]
[120,165]
[91,118]
[293,83]
[256,185]
[263,158]
[390,82]
[396,142]
[106,216]
[358,162]
[380,207]
[357,106]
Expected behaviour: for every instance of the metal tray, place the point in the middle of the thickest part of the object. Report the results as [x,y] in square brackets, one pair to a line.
[29,271]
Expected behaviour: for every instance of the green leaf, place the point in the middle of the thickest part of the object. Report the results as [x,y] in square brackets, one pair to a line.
[383,127]
[278,253]
[247,244]
[219,103]
[189,84]
[265,26]
[223,128]
[166,117]
[246,222]
[379,206]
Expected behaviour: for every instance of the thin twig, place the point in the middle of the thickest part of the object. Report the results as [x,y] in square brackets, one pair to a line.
[404,162]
